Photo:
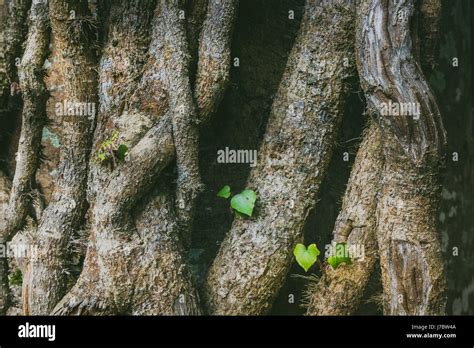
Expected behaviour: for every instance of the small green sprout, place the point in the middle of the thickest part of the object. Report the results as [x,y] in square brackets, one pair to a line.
[110,150]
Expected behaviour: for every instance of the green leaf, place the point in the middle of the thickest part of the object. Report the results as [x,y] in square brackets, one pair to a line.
[16,278]
[101,155]
[244,202]
[306,257]
[240,215]
[122,152]
[341,255]
[224,192]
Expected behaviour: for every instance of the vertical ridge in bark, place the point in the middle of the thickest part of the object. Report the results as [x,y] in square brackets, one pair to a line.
[183,110]
[196,11]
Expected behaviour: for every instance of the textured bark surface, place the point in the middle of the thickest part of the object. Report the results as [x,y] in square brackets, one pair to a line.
[184,117]
[12,32]
[339,291]
[255,255]
[14,27]
[196,11]
[453,86]
[5,187]
[135,236]
[45,281]
[117,242]
[34,94]
[412,269]
[390,72]
[120,69]
[173,292]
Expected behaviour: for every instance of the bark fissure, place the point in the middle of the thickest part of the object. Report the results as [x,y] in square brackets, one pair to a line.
[14,30]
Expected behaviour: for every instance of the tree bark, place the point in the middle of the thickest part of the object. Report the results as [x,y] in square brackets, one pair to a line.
[116,242]
[14,29]
[74,30]
[183,114]
[34,93]
[214,57]
[121,67]
[163,72]
[339,291]
[196,11]
[33,118]
[256,253]
[120,70]
[412,269]
[13,32]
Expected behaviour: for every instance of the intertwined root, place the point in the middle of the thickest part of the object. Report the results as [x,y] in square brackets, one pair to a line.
[136,263]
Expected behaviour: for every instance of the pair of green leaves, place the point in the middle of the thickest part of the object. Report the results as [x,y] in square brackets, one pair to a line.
[109,148]
[306,257]
[243,202]
[121,153]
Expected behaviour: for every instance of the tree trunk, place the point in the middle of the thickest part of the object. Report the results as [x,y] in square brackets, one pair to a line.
[116,242]
[74,32]
[34,93]
[129,174]
[255,255]
[412,269]
[340,291]
[14,27]
[33,117]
